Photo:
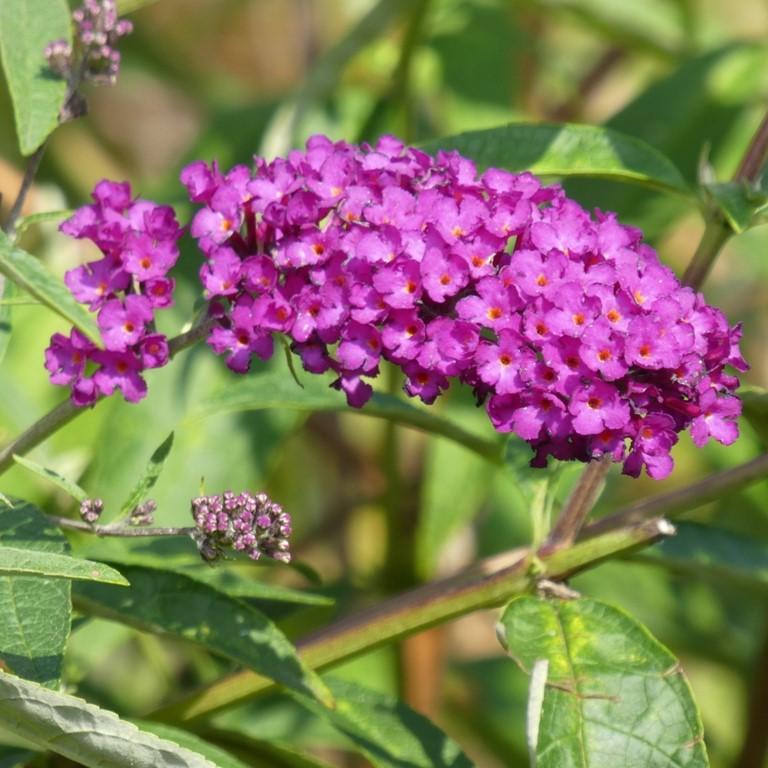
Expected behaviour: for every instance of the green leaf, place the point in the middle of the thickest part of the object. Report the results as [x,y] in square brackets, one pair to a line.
[73,489]
[742,206]
[27,562]
[613,696]
[218,756]
[277,390]
[34,611]
[40,218]
[26,27]
[83,732]
[30,275]
[565,149]
[237,579]
[170,603]
[147,481]
[714,553]
[454,486]
[388,732]
[7,293]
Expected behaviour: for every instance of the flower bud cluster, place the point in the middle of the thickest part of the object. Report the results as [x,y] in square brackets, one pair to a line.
[138,242]
[91,510]
[94,55]
[241,522]
[564,323]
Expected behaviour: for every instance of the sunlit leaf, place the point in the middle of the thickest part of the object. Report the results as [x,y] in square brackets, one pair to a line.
[549,149]
[68,486]
[34,611]
[27,562]
[26,27]
[614,695]
[83,732]
[31,276]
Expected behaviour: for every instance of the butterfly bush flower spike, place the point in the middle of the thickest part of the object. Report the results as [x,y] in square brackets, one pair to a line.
[564,323]
[138,241]
[241,522]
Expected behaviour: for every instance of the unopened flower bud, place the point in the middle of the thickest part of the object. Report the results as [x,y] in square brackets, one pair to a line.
[91,509]
[144,513]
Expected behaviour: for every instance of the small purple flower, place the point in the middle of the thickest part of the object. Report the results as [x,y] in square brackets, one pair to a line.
[596,407]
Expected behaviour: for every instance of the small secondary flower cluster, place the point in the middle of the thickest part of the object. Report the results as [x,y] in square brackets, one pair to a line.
[243,522]
[566,324]
[138,240]
[94,56]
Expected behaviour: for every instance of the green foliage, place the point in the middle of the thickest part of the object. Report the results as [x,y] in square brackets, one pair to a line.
[567,150]
[31,276]
[26,27]
[147,480]
[34,610]
[714,553]
[7,294]
[161,601]
[387,732]
[27,562]
[742,206]
[610,694]
[69,487]
[93,737]
[278,391]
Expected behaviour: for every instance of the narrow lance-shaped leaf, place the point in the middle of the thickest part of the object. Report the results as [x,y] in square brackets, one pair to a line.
[162,601]
[83,732]
[30,275]
[27,562]
[68,486]
[218,756]
[388,732]
[26,27]
[550,149]
[34,611]
[278,390]
[147,481]
[614,695]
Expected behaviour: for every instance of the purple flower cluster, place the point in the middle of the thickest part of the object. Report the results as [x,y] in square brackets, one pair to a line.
[138,241]
[246,523]
[564,323]
[94,56]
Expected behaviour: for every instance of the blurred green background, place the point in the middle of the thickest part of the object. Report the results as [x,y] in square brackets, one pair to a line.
[377,510]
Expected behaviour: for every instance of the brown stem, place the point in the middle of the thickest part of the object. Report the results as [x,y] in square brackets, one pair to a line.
[115,530]
[754,158]
[581,501]
[26,184]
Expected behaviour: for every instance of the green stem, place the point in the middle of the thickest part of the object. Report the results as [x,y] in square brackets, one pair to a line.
[65,412]
[123,531]
[490,583]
